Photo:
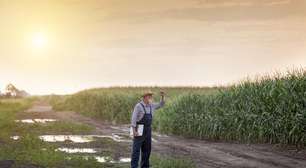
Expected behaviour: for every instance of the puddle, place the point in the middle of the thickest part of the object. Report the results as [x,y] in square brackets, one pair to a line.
[75,138]
[127,137]
[124,160]
[25,121]
[101,159]
[31,121]
[70,138]
[77,150]
[104,159]
[82,138]
[61,138]
[114,137]
[44,120]
[15,137]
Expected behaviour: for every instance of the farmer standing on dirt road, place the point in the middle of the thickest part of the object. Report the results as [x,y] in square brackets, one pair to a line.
[143,114]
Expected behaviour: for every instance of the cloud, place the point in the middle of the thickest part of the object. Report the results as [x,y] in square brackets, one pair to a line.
[240,3]
[232,13]
[210,10]
[278,2]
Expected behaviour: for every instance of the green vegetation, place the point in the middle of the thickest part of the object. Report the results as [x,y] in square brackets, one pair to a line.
[114,104]
[271,109]
[30,151]
[57,127]
[8,110]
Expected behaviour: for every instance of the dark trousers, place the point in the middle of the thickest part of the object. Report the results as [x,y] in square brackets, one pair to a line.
[142,143]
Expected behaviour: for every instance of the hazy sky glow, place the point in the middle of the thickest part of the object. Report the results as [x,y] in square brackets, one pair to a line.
[93,43]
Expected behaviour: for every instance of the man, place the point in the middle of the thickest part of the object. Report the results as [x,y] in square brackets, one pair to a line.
[143,114]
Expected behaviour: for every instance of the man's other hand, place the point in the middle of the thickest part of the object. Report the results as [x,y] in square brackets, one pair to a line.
[135,133]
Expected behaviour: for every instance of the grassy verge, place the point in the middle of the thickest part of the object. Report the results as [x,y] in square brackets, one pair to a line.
[8,110]
[29,149]
[57,127]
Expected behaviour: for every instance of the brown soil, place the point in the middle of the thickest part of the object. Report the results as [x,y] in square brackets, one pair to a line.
[205,154]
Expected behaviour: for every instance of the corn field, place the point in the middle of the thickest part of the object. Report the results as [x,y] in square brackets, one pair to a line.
[271,109]
[115,104]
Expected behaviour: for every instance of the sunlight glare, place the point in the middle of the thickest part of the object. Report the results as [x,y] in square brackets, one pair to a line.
[39,40]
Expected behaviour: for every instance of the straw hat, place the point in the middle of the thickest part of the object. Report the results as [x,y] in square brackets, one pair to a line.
[147,92]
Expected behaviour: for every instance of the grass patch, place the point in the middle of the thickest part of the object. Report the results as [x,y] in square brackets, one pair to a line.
[56,127]
[30,149]
[8,110]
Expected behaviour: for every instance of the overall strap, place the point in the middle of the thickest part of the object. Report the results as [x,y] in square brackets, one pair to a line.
[145,108]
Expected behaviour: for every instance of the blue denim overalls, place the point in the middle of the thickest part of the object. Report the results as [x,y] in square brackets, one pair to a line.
[143,142]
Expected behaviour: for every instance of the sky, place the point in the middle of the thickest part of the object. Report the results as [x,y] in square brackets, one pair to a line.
[63,46]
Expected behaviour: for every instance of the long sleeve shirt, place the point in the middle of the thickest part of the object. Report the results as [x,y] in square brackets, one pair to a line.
[139,112]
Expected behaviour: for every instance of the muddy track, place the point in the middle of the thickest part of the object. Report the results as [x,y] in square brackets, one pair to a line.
[205,154]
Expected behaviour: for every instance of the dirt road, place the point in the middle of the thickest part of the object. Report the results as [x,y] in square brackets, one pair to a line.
[205,154]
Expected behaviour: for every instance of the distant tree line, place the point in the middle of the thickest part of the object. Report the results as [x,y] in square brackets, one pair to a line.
[11,91]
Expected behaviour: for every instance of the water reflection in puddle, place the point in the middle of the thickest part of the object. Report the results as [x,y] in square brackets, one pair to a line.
[62,138]
[125,160]
[15,137]
[119,138]
[154,140]
[44,120]
[81,138]
[126,136]
[37,120]
[77,150]
[104,159]
[25,121]
[76,138]
[115,137]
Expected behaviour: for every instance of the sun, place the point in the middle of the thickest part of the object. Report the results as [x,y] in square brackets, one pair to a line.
[39,40]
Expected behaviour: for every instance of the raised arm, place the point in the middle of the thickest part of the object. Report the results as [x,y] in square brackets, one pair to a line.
[161,102]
